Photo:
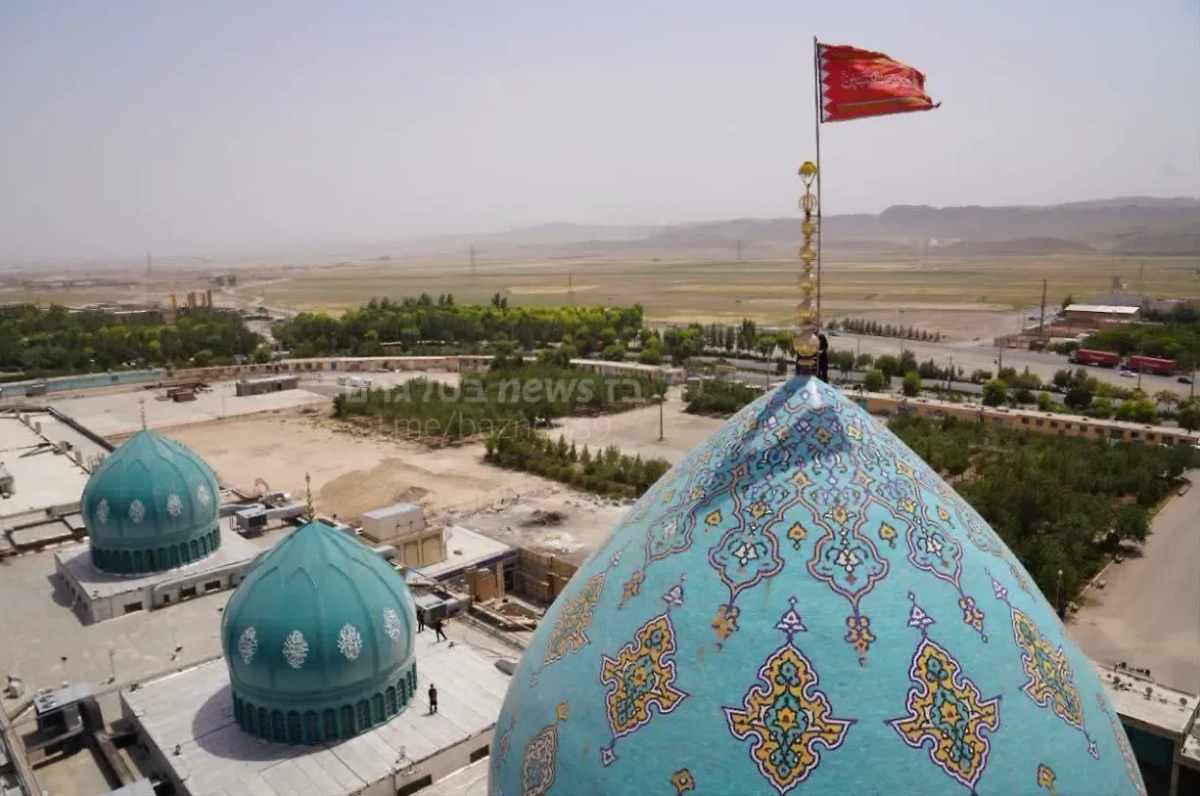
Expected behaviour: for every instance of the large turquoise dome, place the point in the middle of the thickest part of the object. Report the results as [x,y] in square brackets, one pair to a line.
[319,640]
[802,605]
[152,505]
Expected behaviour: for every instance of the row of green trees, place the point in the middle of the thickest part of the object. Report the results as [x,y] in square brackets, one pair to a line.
[56,341]
[408,322]
[608,472]
[877,329]
[717,396]
[1059,503]
[512,393]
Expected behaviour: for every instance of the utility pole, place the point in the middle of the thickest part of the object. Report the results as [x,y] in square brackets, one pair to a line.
[473,274]
[570,290]
[950,380]
[739,248]
[1042,320]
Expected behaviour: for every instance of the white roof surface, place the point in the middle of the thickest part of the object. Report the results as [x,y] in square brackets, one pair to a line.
[394,510]
[1107,309]
[469,781]
[464,548]
[1167,710]
[194,709]
[78,561]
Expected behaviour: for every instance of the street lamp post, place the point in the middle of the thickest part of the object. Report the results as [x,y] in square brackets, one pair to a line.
[1058,595]
[950,376]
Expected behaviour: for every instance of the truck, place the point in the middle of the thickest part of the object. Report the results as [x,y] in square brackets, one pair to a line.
[1161,367]
[1087,356]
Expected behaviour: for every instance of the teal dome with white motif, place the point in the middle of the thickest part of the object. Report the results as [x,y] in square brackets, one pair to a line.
[802,606]
[318,639]
[152,505]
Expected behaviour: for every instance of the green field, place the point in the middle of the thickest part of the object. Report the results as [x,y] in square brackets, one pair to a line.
[764,290]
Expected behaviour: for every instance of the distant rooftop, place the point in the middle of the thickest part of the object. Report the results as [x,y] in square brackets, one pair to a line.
[1104,309]
[394,510]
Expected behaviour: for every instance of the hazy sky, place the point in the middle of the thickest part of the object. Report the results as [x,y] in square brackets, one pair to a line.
[205,125]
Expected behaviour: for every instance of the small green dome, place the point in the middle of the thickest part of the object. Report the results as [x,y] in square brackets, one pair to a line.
[151,506]
[319,640]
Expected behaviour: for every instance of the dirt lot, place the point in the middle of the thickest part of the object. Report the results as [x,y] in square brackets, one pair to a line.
[351,472]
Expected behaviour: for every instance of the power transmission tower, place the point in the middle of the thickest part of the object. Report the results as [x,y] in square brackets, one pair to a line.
[1042,321]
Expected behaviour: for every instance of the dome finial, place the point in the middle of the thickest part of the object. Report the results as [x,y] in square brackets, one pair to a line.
[808,313]
[308,495]
[142,411]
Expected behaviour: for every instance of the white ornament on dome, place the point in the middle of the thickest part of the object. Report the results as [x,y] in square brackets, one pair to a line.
[137,511]
[102,511]
[248,644]
[202,494]
[174,505]
[391,623]
[349,642]
[295,648]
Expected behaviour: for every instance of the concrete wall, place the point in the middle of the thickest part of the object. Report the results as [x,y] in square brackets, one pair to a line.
[441,765]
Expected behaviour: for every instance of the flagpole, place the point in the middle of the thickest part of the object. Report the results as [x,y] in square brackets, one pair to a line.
[817,123]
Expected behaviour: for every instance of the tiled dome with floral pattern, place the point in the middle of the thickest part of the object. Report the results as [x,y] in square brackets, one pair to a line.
[803,605]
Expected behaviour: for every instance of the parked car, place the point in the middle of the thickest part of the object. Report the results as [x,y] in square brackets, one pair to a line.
[1184,380]
[1128,374]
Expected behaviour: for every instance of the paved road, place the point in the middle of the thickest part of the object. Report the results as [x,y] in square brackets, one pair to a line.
[1149,613]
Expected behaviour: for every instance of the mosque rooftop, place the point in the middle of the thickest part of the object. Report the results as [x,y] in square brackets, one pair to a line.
[43,477]
[1165,711]
[469,781]
[193,710]
[78,561]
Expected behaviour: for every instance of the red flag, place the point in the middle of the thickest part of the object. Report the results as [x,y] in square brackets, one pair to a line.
[858,83]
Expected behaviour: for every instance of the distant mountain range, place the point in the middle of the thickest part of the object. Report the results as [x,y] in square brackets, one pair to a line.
[1135,225]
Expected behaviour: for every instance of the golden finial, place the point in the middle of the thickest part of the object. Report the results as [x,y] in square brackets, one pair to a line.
[308,495]
[807,312]
[142,409]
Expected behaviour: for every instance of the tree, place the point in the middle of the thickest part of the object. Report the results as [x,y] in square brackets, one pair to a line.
[912,384]
[1068,301]
[1044,403]
[1166,398]
[995,392]
[1078,398]
[262,354]
[1132,523]
[843,361]
[874,380]
[1188,416]
[888,365]
[863,361]
[1102,407]
[1137,410]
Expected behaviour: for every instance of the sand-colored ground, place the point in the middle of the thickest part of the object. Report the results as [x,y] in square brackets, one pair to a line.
[352,472]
